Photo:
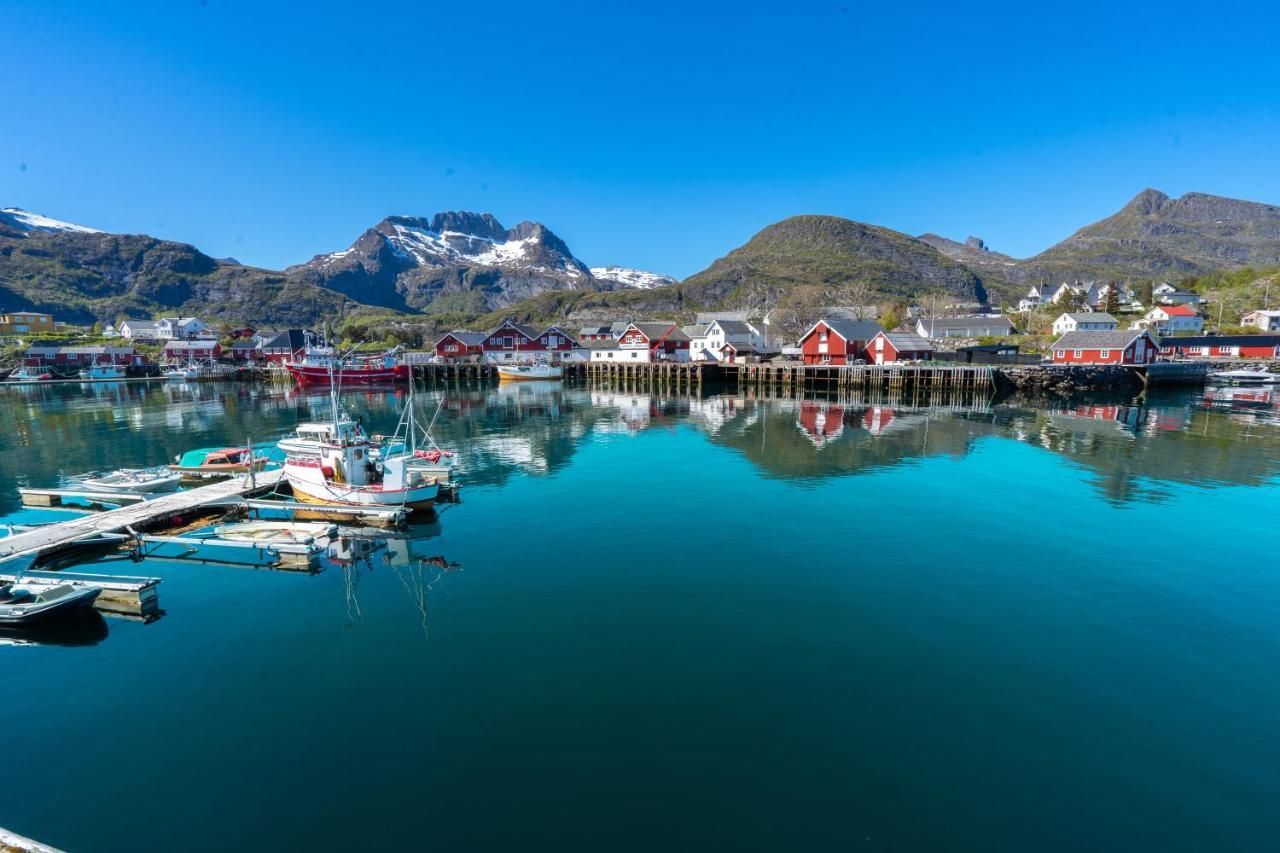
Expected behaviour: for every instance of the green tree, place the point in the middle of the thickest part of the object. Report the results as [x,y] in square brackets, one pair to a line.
[1145,296]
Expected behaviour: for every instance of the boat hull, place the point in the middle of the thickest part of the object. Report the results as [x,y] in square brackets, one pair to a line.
[72,604]
[307,375]
[308,491]
[511,374]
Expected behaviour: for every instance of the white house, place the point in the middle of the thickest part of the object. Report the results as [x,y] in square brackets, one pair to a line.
[1167,294]
[1092,321]
[165,329]
[140,330]
[611,352]
[1038,295]
[699,350]
[1171,319]
[964,327]
[738,332]
[1263,321]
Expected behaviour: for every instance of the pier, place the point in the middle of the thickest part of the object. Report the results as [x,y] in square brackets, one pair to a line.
[866,378]
[172,509]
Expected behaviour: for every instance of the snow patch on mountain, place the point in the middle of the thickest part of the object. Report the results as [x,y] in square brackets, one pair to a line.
[25,220]
[635,279]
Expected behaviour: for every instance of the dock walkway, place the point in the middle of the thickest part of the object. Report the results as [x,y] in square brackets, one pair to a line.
[54,536]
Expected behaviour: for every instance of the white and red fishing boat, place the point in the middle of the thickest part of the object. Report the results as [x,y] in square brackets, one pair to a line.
[336,462]
[321,366]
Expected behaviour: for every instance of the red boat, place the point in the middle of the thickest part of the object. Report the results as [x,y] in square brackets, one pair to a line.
[316,368]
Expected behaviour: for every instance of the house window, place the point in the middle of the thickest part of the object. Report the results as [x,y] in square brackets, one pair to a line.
[508,343]
[451,348]
[1224,350]
[1079,353]
[1106,353]
[822,337]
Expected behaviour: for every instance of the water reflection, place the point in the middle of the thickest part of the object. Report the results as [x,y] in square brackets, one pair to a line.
[87,630]
[535,429]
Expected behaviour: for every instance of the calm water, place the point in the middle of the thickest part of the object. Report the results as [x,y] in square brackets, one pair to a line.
[680,624]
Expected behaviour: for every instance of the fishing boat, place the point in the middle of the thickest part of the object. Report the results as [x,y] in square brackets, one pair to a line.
[336,462]
[24,605]
[194,371]
[102,373]
[208,462]
[29,374]
[268,532]
[1257,376]
[322,366]
[134,480]
[529,371]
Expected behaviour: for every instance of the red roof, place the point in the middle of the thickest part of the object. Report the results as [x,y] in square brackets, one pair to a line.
[1178,311]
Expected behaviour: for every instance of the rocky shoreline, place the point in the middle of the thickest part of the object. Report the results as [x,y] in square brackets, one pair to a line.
[1066,380]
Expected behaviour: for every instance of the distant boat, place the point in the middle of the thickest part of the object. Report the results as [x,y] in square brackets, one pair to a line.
[199,370]
[102,373]
[27,374]
[321,366]
[1257,376]
[25,605]
[134,480]
[217,462]
[530,371]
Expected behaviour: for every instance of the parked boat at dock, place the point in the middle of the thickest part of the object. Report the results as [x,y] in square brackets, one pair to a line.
[1257,376]
[195,371]
[22,604]
[134,481]
[323,366]
[29,374]
[293,532]
[102,373]
[210,462]
[530,371]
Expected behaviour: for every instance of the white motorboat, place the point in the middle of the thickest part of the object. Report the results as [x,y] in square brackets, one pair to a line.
[194,371]
[529,371]
[102,373]
[275,532]
[26,604]
[134,480]
[1256,376]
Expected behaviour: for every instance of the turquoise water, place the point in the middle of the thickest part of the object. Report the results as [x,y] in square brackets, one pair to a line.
[681,624]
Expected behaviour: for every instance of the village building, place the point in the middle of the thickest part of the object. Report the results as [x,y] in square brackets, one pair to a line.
[557,344]
[1114,347]
[504,344]
[654,341]
[699,350]
[243,351]
[461,347]
[286,345]
[836,341]
[1166,294]
[165,329]
[1089,321]
[29,323]
[739,353]
[720,332]
[1171,320]
[893,347]
[603,350]
[1263,321]
[192,350]
[1222,346]
[81,356]
[964,327]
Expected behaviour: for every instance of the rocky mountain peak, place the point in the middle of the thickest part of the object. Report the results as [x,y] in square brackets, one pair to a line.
[1146,202]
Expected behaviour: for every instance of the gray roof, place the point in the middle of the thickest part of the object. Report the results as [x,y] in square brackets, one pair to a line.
[1116,339]
[141,324]
[853,330]
[851,312]
[471,339]
[738,347]
[1092,317]
[606,343]
[968,324]
[654,330]
[199,343]
[695,331]
[734,327]
[595,330]
[905,342]
[706,318]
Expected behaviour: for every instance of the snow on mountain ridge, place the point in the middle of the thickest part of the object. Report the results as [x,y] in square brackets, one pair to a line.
[632,278]
[25,220]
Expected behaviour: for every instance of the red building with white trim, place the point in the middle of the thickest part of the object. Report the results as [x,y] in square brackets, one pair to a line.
[1117,347]
[893,347]
[461,346]
[1222,346]
[837,341]
[658,341]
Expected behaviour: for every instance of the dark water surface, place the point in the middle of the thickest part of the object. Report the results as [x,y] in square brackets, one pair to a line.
[679,624]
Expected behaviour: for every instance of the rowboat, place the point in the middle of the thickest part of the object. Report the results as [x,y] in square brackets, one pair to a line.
[529,371]
[207,462]
[1257,376]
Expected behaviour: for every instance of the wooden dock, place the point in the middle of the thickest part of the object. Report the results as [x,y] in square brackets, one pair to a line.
[917,376]
[120,595]
[172,509]
[679,376]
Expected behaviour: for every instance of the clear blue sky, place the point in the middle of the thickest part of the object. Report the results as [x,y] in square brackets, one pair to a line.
[645,134]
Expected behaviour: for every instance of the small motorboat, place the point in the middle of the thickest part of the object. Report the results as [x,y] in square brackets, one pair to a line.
[1255,376]
[134,480]
[276,532]
[217,462]
[102,373]
[29,374]
[24,605]
[530,371]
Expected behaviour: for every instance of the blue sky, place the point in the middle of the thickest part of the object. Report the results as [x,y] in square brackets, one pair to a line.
[649,134]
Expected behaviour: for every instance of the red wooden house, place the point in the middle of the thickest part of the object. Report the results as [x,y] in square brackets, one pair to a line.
[1222,346]
[661,341]
[508,341]
[891,347]
[556,342]
[1117,347]
[195,350]
[461,346]
[837,341]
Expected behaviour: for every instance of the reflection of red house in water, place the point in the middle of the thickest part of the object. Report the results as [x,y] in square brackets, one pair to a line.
[821,423]
[1125,416]
[877,418]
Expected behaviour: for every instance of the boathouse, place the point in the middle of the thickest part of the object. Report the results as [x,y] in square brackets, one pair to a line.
[893,347]
[1116,347]
[460,346]
[508,341]
[653,341]
[188,350]
[837,341]
[287,345]
[1222,346]
[739,353]
[558,344]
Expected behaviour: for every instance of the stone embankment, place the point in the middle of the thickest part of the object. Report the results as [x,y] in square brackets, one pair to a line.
[1066,380]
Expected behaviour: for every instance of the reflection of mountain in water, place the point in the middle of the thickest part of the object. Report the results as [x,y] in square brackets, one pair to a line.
[535,429]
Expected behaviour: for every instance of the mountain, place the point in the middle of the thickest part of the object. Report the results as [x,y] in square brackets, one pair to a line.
[624,278]
[81,275]
[973,253]
[462,262]
[843,259]
[1155,236]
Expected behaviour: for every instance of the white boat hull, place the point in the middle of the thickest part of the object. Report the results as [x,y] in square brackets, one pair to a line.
[309,486]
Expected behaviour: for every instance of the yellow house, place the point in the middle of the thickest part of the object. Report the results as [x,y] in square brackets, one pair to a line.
[27,323]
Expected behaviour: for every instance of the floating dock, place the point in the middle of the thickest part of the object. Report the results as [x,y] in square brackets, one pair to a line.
[171,509]
[121,595]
